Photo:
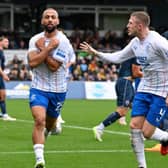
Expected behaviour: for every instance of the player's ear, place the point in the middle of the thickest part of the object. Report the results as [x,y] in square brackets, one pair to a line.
[140,26]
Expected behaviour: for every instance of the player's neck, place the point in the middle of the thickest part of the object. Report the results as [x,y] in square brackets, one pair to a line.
[144,34]
[52,34]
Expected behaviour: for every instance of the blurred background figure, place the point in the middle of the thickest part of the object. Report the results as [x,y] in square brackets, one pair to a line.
[4,43]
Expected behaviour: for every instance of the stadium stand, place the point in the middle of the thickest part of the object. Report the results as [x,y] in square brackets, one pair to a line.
[99,31]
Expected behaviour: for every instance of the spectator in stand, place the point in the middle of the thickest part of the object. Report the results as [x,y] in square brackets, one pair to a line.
[22,44]
[92,67]
[14,72]
[83,66]
[25,73]
[15,60]
[101,76]
[13,44]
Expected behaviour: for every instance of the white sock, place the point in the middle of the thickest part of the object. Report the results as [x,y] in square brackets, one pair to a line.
[101,126]
[123,118]
[39,152]
[159,135]
[137,142]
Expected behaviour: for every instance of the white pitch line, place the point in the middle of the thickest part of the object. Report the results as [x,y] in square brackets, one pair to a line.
[70,151]
[83,128]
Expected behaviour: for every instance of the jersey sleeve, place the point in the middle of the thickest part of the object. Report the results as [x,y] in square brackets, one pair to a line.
[62,52]
[72,56]
[32,45]
[119,56]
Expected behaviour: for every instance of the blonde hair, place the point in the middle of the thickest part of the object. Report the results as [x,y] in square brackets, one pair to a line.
[142,16]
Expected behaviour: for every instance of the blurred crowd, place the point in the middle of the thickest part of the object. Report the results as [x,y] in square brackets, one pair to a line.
[90,68]
[18,70]
[87,67]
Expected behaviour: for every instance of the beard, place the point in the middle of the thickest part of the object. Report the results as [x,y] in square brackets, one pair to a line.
[49,29]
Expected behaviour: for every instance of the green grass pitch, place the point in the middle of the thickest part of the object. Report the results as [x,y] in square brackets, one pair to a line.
[75,147]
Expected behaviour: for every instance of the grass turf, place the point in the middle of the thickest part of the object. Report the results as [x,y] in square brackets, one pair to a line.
[75,147]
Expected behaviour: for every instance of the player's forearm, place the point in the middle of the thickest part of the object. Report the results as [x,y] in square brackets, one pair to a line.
[116,57]
[52,64]
[36,58]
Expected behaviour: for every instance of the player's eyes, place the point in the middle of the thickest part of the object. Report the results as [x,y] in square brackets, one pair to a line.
[52,17]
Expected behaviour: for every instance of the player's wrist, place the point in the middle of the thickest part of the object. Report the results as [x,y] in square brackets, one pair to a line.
[94,52]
